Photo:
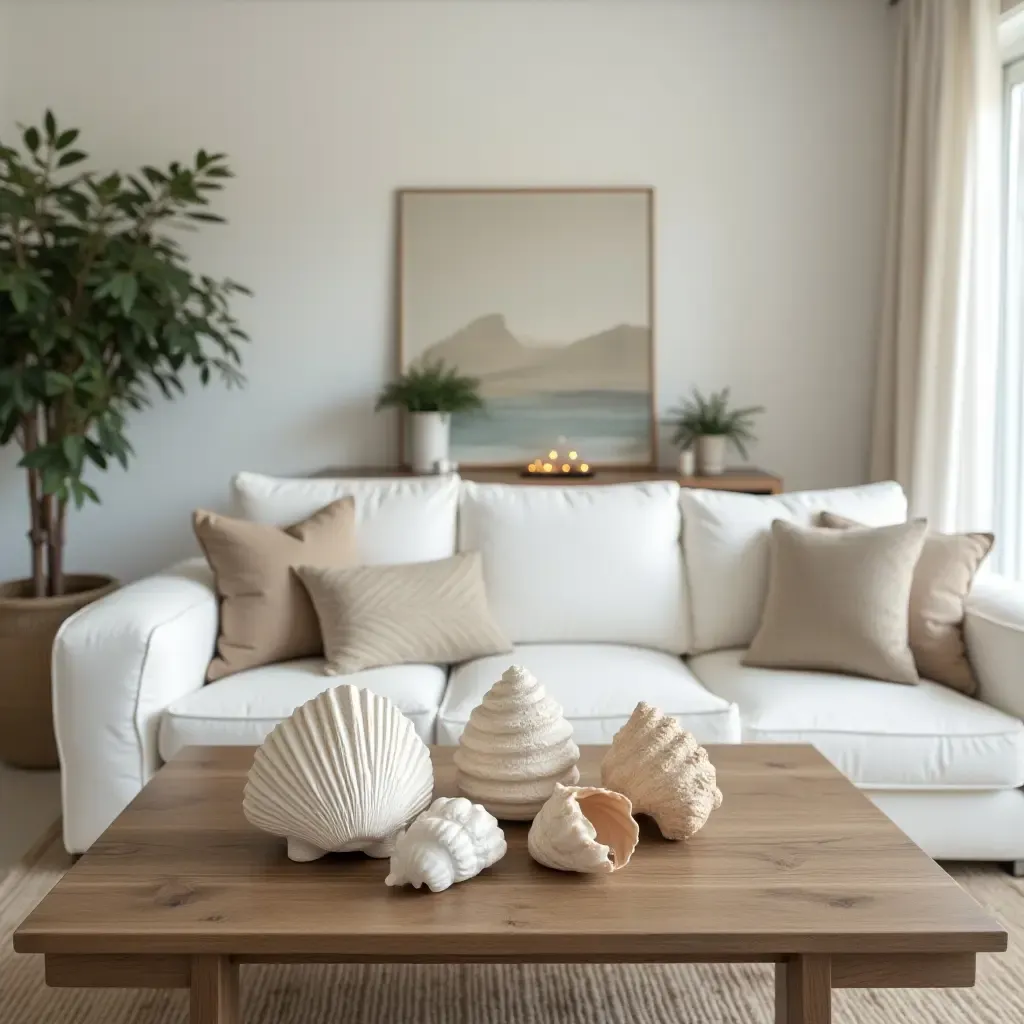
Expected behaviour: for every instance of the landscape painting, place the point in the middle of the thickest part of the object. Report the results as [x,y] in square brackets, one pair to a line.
[545,296]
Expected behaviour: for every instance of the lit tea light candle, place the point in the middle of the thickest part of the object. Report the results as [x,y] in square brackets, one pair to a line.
[568,464]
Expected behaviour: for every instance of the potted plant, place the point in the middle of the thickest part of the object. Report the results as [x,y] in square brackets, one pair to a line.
[709,425]
[430,392]
[98,309]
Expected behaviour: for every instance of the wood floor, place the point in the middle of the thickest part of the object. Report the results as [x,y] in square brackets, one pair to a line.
[29,804]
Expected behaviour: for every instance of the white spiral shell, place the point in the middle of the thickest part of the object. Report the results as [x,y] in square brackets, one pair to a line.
[585,829]
[345,772]
[664,771]
[451,841]
[515,748]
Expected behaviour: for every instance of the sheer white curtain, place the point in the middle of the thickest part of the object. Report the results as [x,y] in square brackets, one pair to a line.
[935,399]
[1008,557]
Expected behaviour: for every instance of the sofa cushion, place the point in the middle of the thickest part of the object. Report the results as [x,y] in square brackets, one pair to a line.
[837,601]
[375,615]
[942,579]
[726,543]
[266,615]
[881,735]
[581,564]
[598,686]
[397,519]
[243,708]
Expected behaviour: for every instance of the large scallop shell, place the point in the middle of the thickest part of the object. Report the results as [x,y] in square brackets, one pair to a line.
[345,772]
[583,828]
[515,748]
[451,841]
[664,771]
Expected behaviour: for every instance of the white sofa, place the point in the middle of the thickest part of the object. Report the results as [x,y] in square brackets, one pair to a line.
[611,595]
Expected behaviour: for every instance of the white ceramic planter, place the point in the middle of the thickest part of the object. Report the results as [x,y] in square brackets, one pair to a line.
[711,454]
[428,440]
[687,462]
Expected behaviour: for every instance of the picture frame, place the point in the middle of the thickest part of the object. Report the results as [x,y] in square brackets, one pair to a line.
[546,295]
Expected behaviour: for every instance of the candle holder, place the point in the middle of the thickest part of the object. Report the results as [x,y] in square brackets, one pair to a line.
[567,465]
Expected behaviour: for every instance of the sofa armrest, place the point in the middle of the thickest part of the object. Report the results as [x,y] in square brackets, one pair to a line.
[994,630]
[116,665]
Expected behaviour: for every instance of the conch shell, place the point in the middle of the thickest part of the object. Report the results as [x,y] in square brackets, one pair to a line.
[583,828]
[451,841]
[664,771]
[344,772]
[516,746]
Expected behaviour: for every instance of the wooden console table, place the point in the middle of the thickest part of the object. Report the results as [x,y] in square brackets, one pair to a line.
[745,480]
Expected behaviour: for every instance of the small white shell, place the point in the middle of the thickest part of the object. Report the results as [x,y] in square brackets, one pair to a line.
[516,746]
[664,771]
[451,841]
[345,772]
[582,828]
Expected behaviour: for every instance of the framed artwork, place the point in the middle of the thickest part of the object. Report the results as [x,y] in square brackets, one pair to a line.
[546,296]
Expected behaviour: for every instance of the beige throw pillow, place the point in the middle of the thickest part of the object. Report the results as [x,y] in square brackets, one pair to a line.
[838,601]
[942,580]
[428,612]
[265,612]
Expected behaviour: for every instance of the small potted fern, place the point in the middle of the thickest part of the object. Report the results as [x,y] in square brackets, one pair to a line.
[430,392]
[710,426]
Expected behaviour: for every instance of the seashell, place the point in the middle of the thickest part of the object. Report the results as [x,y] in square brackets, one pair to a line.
[345,772]
[583,828]
[515,748]
[664,771]
[452,840]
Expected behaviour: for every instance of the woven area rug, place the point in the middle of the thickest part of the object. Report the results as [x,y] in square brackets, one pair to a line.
[580,994]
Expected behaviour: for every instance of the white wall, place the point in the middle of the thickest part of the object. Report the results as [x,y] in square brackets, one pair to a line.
[4,65]
[763,125]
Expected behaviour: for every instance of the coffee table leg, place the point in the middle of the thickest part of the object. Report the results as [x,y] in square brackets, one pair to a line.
[214,991]
[803,990]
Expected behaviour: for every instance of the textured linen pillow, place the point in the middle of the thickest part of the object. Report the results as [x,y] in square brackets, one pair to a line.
[942,580]
[265,612]
[727,544]
[426,612]
[838,601]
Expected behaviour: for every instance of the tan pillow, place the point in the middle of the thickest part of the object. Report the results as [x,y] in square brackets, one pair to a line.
[265,612]
[428,612]
[942,579]
[838,601]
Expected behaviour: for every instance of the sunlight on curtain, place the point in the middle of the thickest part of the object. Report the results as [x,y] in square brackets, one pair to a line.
[1008,555]
[935,402]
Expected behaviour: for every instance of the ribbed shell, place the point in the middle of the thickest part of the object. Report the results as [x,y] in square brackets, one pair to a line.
[515,748]
[583,828]
[451,841]
[664,771]
[345,772]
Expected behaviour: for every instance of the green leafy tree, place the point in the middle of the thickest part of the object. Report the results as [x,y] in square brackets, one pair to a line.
[99,311]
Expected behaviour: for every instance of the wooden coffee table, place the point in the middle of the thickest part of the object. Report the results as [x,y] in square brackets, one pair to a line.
[797,869]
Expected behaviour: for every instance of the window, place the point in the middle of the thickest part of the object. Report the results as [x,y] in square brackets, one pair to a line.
[1008,555]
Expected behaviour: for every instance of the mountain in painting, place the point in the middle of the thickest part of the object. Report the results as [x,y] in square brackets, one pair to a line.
[617,359]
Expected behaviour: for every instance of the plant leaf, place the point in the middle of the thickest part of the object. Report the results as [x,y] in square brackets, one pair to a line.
[72,156]
[128,292]
[73,447]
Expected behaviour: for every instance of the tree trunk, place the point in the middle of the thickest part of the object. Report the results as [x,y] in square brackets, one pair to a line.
[37,527]
[37,536]
[57,547]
